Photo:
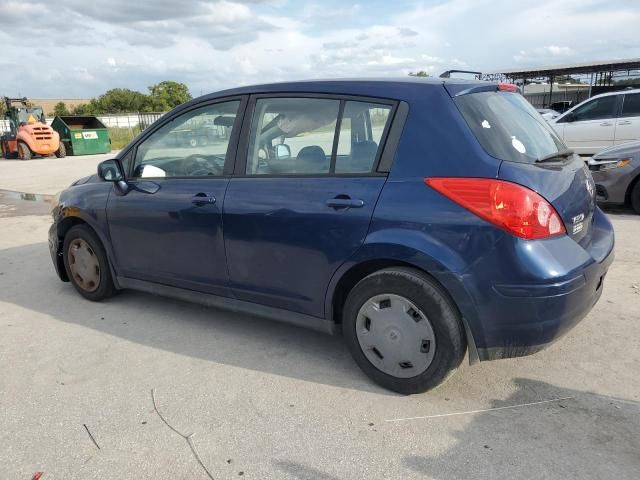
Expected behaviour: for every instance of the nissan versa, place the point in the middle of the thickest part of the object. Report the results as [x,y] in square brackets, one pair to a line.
[420,218]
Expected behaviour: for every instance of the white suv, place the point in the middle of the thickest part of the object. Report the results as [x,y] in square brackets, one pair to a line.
[601,121]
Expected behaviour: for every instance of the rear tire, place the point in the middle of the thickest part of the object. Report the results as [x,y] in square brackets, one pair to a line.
[86,264]
[420,300]
[24,152]
[62,151]
[635,197]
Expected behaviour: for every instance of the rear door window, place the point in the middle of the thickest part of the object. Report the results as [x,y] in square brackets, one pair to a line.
[631,105]
[297,136]
[508,127]
[361,132]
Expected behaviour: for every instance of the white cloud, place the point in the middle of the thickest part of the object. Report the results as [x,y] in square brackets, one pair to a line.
[559,51]
[214,44]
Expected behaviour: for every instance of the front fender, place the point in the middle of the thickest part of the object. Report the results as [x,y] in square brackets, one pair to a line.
[86,203]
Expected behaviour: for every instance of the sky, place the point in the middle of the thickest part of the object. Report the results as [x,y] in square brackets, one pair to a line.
[80,48]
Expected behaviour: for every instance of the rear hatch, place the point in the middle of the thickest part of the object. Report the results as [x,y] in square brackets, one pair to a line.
[533,155]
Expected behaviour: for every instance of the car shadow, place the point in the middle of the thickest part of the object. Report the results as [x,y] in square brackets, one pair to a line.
[618,210]
[27,279]
[586,435]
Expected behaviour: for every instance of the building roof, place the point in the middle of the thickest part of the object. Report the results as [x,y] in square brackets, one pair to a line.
[568,69]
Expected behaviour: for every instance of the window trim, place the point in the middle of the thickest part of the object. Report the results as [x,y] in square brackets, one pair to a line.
[232,148]
[242,153]
[623,101]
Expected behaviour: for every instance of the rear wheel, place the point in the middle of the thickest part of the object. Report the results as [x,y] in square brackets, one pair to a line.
[635,197]
[62,151]
[86,264]
[24,152]
[403,331]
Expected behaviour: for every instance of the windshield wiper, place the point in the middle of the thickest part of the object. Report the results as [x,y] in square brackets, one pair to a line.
[567,152]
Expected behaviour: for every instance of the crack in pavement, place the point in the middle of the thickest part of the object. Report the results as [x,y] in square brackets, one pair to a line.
[186,437]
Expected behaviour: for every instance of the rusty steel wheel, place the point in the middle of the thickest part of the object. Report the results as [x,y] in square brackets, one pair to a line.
[84,265]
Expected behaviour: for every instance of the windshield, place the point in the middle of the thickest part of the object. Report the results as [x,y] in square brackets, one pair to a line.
[25,114]
[508,127]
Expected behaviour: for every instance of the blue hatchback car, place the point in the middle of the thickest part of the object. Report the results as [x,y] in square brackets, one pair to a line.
[422,219]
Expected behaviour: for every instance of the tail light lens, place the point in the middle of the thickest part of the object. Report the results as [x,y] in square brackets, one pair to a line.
[510,206]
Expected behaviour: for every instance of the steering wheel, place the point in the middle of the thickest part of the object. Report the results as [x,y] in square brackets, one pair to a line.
[198,165]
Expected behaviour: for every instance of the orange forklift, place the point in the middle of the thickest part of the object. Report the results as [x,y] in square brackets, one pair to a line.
[28,134]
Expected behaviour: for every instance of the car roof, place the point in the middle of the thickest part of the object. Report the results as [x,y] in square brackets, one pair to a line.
[617,92]
[377,87]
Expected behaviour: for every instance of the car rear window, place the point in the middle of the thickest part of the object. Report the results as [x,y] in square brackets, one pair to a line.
[508,127]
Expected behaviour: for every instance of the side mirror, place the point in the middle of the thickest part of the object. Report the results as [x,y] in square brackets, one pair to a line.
[282,151]
[570,117]
[111,171]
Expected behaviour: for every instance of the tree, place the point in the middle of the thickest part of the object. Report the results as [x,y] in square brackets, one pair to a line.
[166,95]
[420,73]
[60,109]
[118,100]
[628,81]
[82,109]
[3,107]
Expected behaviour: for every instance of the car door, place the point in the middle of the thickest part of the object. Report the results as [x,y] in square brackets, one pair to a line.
[590,127]
[303,195]
[168,227]
[628,122]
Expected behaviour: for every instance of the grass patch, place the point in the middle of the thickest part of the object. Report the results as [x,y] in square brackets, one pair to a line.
[120,136]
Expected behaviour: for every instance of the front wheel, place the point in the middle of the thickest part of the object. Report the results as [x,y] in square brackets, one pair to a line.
[86,264]
[635,197]
[403,331]
[24,153]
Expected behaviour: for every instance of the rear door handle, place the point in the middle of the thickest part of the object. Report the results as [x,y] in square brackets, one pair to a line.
[341,202]
[606,124]
[201,198]
[625,122]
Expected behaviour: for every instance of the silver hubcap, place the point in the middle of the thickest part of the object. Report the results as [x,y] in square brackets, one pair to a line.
[84,265]
[395,336]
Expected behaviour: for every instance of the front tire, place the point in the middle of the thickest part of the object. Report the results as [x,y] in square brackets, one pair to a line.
[86,264]
[403,331]
[635,197]
[62,151]
[24,152]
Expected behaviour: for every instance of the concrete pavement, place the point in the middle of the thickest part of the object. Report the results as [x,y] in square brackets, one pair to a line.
[246,397]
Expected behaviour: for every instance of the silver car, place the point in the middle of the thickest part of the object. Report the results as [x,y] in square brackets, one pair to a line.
[616,171]
[548,114]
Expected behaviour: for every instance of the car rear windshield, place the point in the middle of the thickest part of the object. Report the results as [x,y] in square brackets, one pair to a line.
[508,127]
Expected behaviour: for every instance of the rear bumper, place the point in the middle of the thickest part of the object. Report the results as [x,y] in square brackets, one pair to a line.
[522,296]
[547,312]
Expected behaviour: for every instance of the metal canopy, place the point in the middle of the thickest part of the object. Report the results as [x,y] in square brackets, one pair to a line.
[576,68]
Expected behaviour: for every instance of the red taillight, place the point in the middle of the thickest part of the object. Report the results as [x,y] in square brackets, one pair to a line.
[507,87]
[510,206]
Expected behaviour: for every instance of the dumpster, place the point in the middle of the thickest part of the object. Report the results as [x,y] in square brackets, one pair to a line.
[82,135]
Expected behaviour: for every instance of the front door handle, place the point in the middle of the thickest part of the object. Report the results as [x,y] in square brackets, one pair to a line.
[625,122]
[344,202]
[606,124]
[201,198]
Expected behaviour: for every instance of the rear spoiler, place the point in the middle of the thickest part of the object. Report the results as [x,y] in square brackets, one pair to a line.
[448,73]
[482,87]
